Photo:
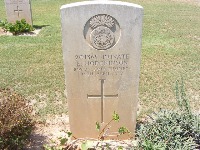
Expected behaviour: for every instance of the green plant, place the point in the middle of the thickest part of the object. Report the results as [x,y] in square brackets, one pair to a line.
[16,28]
[15,122]
[103,132]
[172,129]
[169,131]
[192,121]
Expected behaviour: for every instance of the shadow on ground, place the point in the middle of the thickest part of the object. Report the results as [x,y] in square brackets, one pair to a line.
[36,142]
[40,26]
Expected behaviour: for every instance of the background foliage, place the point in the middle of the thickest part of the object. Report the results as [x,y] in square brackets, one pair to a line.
[20,26]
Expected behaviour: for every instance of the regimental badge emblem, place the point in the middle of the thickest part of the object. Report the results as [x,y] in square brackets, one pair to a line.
[102,32]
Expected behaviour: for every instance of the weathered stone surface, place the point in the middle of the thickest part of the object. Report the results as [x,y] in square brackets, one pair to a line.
[18,9]
[101,47]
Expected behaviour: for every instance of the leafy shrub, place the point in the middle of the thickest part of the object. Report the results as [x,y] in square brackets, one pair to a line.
[15,122]
[16,28]
[172,129]
[3,23]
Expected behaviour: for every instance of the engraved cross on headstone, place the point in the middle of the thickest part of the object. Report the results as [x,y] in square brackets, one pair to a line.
[102,96]
[18,10]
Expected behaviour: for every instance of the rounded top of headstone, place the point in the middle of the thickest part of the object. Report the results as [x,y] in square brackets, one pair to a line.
[103,2]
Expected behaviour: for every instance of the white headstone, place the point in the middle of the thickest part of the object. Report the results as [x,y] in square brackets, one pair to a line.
[101,46]
[17,10]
